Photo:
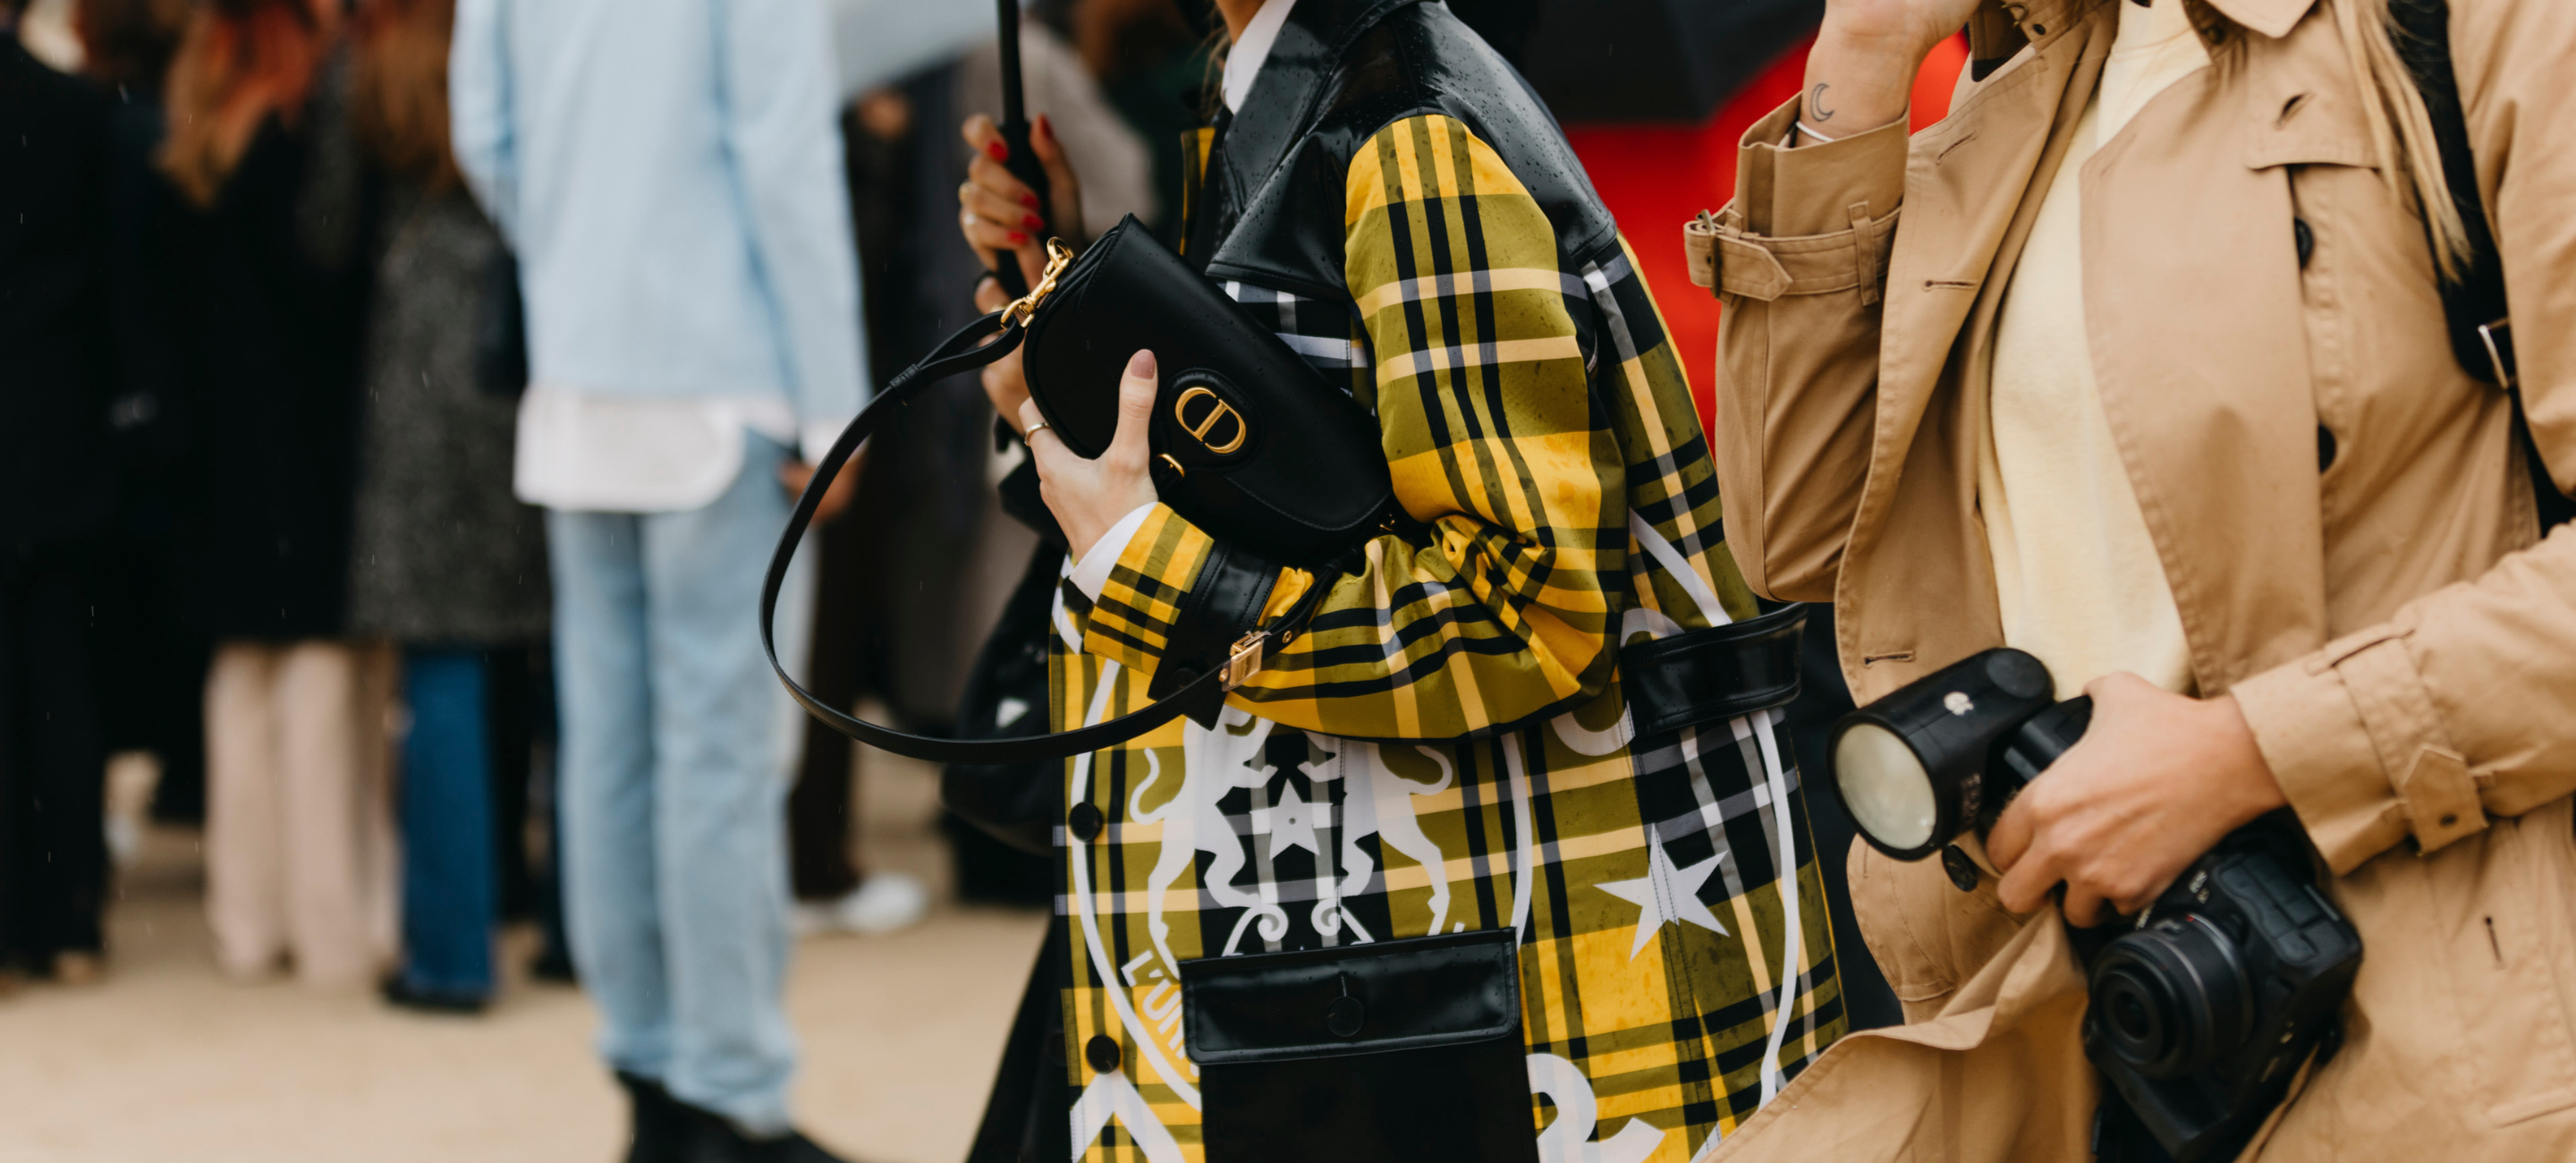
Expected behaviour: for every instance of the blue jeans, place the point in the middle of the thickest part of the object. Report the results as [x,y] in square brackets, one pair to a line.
[673,786]
[449,863]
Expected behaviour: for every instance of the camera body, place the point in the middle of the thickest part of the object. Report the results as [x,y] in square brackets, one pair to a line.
[2203,1012]
[2205,1005]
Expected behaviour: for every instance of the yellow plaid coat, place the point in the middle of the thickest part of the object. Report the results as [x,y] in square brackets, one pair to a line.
[1542,437]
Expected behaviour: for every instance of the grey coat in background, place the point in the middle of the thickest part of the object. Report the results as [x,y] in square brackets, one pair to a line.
[441,552]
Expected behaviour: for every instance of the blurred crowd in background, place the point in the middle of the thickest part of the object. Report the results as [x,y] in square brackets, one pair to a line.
[264,559]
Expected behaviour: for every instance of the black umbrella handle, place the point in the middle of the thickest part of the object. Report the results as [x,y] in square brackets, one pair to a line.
[1022,160]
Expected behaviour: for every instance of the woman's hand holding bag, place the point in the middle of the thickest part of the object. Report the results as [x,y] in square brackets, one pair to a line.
[1088,497]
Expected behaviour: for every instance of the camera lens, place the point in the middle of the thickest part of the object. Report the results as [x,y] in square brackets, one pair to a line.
[2172,998]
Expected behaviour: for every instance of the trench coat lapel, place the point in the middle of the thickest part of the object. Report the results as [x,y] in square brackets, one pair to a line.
[2221,460]
[1966,218]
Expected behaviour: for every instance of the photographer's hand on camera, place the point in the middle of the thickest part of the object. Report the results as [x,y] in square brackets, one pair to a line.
[2158,779]
[1089,497]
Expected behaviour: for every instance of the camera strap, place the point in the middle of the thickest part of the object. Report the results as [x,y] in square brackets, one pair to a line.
[2473,300]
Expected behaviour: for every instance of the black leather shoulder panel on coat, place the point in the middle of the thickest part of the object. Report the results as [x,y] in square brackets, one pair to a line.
[1341,71]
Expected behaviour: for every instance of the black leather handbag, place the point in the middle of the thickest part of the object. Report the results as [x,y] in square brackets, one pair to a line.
[1249,443]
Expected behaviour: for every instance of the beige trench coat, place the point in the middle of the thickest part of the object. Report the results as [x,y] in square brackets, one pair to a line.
[2405,654]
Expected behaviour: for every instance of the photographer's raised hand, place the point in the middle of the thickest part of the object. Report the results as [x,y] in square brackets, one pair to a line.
[2158,779]
[1089,496]
[1860,73]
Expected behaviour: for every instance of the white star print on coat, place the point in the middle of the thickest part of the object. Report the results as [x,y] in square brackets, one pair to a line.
[1290,824]
[1665,895]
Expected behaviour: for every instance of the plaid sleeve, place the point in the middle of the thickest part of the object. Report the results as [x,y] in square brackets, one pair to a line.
[1500,606]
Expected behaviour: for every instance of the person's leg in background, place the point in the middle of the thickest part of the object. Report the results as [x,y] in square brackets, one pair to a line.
[719,781]
[821,810]
[818,808]
[509,715]
[605,808]
[449,865]
[245,857]
[545,801]
[56,771]
[331,700]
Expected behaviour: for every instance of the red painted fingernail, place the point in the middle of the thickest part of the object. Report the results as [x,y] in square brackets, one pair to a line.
[1033,222]
[1018,238]
[1045,126]
[1000,152]
[1029,200]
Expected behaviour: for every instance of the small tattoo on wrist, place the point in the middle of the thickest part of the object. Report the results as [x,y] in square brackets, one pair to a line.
[1816,110]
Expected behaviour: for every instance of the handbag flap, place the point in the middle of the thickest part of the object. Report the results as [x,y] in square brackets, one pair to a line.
[1419,992]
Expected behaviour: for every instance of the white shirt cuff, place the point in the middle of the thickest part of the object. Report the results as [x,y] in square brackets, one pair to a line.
[1092,572]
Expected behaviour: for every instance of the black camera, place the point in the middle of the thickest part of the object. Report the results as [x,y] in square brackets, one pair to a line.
[2204,1006]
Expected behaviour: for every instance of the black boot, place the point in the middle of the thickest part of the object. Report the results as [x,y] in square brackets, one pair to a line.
[664,1130]
[402,994]
[719,1141]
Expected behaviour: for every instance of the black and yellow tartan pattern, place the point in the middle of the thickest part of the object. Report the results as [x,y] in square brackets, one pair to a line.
[1537,422]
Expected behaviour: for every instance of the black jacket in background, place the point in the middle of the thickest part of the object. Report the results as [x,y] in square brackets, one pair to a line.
[56,358]
[265,300]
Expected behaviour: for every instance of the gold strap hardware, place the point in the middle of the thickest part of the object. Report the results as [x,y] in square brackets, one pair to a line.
[2498,336]
[1059,256]
[1245,659]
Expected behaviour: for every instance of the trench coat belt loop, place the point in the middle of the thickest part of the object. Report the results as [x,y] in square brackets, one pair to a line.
[1865,255]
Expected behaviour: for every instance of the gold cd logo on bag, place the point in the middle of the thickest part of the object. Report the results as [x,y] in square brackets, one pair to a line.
[1209,419]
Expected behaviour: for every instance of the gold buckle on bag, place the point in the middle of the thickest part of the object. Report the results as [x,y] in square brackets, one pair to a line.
[1059,256]
[1245,659]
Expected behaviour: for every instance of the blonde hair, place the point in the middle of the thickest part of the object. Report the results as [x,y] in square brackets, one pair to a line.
[2401,127]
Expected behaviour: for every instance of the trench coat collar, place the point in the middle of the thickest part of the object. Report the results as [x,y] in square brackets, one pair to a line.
[1292,82]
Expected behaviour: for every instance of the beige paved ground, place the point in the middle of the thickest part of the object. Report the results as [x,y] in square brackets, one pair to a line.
[167,1061]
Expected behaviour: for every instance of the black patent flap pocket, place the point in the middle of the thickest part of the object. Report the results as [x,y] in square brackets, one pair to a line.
[1706,676]
[1415,993]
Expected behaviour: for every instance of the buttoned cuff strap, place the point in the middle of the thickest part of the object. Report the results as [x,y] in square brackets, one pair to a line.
[2352,735]
[1814,220]
[1735,262]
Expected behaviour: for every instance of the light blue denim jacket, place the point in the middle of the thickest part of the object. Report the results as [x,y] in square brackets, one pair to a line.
[670,174]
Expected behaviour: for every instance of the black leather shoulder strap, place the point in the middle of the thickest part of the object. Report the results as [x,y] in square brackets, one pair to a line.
[960,353]
[2474,304]
[2475,301]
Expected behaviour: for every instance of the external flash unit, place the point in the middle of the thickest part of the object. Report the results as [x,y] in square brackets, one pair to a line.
[1923,766]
